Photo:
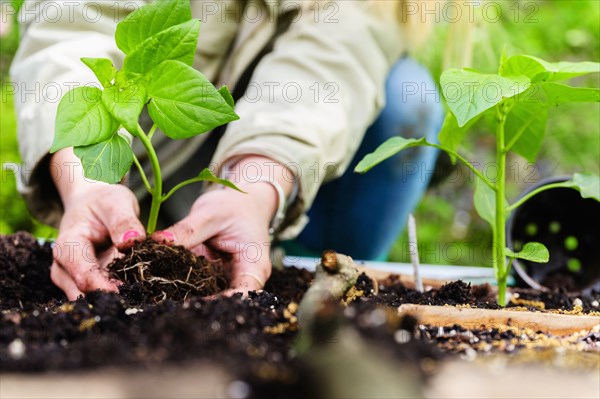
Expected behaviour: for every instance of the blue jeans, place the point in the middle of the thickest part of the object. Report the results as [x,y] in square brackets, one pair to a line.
[363,215]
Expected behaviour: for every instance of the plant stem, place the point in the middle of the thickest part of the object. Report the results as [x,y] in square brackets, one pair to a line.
[142,174]
[181,185]
[157,189]
[502,290]
[152,131]
[538,190]
[467,164]
[499,231]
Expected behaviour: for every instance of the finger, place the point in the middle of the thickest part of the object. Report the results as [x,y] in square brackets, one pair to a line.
[244,284]
[207,252]
[250,267]
[124,226]
[189,232]
[62,280]
[77,257]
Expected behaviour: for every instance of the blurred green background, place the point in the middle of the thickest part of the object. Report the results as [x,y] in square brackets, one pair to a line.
[449,229]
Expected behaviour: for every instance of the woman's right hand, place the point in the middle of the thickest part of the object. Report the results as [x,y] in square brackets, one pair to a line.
[98,220]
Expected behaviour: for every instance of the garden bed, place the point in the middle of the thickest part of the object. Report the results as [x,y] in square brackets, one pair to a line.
[249,347]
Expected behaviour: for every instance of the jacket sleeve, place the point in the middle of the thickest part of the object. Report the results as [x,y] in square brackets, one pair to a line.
[312,98]
[55,35]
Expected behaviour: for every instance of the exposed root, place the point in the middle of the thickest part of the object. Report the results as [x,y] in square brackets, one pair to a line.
[167,272]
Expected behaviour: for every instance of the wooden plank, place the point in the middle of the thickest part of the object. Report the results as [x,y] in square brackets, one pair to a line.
[195,380]
[471,318]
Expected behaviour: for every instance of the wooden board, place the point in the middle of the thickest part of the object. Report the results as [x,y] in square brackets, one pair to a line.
[446,316]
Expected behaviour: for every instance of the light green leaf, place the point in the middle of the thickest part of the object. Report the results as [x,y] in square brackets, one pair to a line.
[207,175]
[504,57]
[484,199]
[82,119]
[532,251]
[176,43]
[469,93]
[125,103]
[107,161]
[539,70]
[149,20]
[557,94]
[588,184]
[183,103]
[224,91]
[526,123]
[386,150]
[102,68]
[451,135]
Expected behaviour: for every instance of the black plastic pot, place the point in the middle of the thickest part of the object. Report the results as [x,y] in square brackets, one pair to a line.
[569,226]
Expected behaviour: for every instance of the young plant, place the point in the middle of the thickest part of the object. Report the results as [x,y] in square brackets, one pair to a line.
[518,99]
[159,41]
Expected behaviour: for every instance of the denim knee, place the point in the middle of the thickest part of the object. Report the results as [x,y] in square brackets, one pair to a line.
[413,108]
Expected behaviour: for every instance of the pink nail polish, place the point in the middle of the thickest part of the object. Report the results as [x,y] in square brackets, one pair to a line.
[167,236]
[129,235]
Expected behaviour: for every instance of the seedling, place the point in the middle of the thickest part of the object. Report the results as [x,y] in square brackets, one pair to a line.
[518,98]
[159,42]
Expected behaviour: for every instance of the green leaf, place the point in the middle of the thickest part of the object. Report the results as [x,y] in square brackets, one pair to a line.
[207,175]
[469,93]
[451,135]
[532,251]
[125,103]
[107,161]
[588,184]
[504,57]
[224,91]
[183,103]
[484,199]
[539,70]
[82,119]
[386,150]
[557,94]
[176,43]
[149,20]
[102,68]
[526,123]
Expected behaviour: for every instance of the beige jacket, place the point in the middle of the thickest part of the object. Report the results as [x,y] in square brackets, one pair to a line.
[308,104]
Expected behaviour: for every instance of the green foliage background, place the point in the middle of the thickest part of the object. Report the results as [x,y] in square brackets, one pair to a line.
[449,230]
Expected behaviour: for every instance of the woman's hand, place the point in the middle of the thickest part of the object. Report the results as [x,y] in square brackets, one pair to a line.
[98,219]
[235,226]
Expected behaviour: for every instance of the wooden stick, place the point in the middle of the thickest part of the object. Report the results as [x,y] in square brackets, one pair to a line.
[470,318]
[414,253]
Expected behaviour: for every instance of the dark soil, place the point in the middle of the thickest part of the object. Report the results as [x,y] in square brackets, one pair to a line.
[152,272]
[393,293]
[25,272]
[252,337]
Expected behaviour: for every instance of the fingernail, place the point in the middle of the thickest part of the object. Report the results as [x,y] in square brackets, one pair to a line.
[166,236]
[130,235]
